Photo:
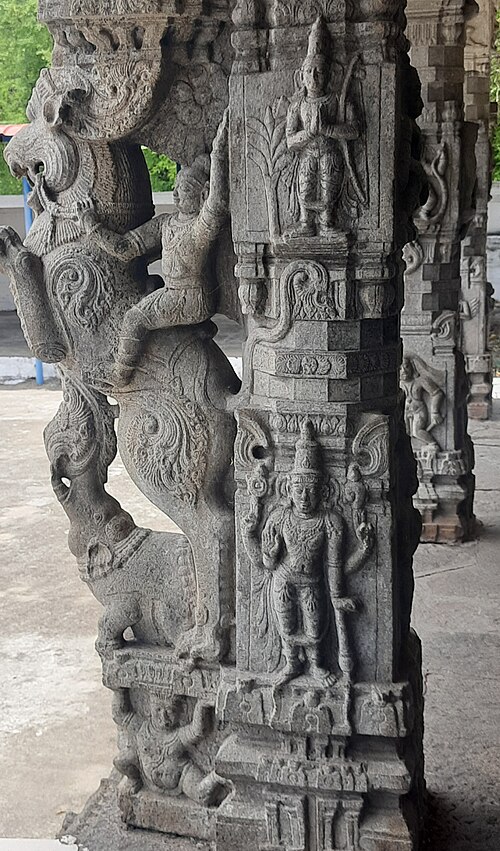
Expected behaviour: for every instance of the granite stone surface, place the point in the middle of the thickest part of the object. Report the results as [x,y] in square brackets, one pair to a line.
[267,686]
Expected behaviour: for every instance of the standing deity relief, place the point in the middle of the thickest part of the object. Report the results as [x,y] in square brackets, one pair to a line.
[320,124]
[301,560]
[310,149]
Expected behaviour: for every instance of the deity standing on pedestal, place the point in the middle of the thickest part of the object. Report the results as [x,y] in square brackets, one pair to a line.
[319,124]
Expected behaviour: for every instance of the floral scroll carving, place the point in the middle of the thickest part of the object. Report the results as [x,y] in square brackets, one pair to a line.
[169,443]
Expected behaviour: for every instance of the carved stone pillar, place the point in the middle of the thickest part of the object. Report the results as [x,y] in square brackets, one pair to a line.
[126,73]
[476,291]
[433,373]
[324,703]
[267,686]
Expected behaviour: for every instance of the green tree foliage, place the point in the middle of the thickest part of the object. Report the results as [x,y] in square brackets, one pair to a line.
[161,170]
[8,185]
[25,48]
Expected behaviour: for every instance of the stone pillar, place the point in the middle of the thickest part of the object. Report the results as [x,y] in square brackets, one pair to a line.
[433,372]
[476,291]
[267,686]
[324,702]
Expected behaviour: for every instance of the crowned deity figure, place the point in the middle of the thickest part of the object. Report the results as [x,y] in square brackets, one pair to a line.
[302,557]
[320,122]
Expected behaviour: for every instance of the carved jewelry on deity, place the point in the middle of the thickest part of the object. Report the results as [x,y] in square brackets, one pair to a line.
[302,564]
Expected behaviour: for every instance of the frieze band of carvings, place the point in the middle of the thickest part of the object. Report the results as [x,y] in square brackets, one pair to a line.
[336,365]
[325,426]
[382,710]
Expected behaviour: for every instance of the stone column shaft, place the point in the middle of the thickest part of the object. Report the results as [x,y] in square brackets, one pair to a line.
[476,290]
[267,685]
[433,374]
[321,110]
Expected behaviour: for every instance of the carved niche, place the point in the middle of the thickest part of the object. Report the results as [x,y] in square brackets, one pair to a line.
[296,539]
[307,155]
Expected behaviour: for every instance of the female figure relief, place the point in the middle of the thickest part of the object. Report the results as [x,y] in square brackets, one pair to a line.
[424,400]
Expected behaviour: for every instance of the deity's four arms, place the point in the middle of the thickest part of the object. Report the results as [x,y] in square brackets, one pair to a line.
[302,549]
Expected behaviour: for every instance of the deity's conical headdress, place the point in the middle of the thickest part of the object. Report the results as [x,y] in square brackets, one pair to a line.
[307,452]
[319,41]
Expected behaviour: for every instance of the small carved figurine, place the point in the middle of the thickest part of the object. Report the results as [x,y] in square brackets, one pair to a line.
[164,750]
[424,399]
[355,493]
[302,551]
[184,241]
[319,125]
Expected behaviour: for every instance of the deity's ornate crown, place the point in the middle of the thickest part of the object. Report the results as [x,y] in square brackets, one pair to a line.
[307,452]
[318,41]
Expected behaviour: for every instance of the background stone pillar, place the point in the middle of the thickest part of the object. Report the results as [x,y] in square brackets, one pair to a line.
[476,291]
[324,702]
[433,373]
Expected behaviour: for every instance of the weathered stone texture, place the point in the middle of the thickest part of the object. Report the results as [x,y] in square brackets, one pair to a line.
[433,374]
[476,290]
[267,685]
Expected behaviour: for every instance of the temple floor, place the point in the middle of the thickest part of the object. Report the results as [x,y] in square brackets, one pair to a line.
[57,737]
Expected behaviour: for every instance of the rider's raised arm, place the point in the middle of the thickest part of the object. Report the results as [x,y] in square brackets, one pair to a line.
[216,207]
[144,241]
[218,196]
